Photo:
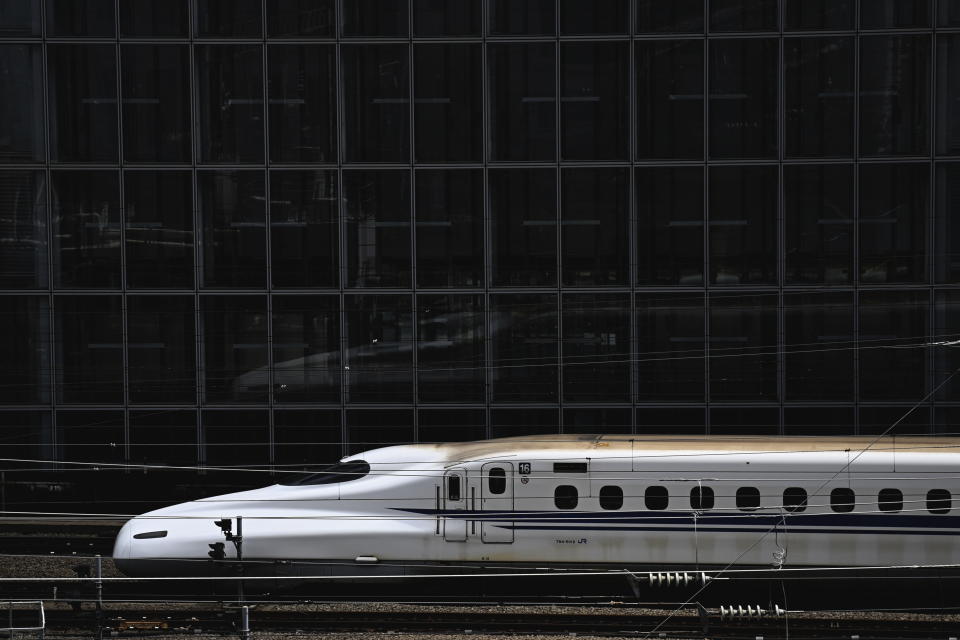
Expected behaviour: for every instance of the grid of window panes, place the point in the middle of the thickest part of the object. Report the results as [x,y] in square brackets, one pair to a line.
[237,232]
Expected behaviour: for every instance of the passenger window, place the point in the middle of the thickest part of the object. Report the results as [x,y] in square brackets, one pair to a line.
[938,501]
[748,498]
[843,500]
[890,500]
[611,497]
[565,497]
[497,482]
[656,498]
[701,498]
[453,488]
[795,499]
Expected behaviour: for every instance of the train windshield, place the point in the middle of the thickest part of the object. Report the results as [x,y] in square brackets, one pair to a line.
[340,472]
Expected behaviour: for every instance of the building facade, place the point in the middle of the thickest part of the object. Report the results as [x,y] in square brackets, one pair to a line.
[267,233]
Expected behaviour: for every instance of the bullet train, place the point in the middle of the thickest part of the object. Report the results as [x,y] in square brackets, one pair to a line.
[658,510]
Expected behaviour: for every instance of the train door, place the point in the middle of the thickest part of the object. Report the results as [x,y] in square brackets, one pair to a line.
[496,496]
[454,504]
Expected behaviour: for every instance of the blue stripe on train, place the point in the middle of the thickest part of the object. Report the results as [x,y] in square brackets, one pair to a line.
[791,530]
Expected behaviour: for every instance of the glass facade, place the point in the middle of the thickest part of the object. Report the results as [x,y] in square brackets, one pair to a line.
[269,233]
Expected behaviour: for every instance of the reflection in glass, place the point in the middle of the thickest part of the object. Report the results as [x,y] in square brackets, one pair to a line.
[743,15]
[818,334]
[743,224]
[23,229]
[448,102]
[89,354]
[743,98]
[93,18]
[379,357]
[752,420]
[522,17]
[596,348]
[372,428]
[670,359]
[156,103]
[593,102]
[893,318]
[19,18]
[450,357]
[229,18]
[161,349]
[452,425]
[90,436]
[523,422]
[818,421]
[669,99]
[236,438]
[27,435]
[669,204]
[163,438]
[743,339]
[671,420]
[235,348]
[948,13]
[446,17]
[449,209]
[947,230]
[376,87]
[154,18]
[377,217]
[234,228]
[522,100]
[375,18]
[597,420]
[83,102]
[306,349]
[594,222]
[892,226]
[818,211]
[523,206]
[877,420]
[896,14]
[302,112]
[293,18]
[524,331]
[25,343]
[303,228]
[230,102]
[305,439]
[21,111]
[819,96]
[674,16]
[585,17]
[894,95]
[158,214]
[815,15]
[86,217]
[948,93]
[946,361]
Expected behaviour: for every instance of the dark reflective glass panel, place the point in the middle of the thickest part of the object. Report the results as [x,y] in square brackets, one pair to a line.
[449,210]
[585,17]
[379,358]
[236,438]
[295,18]
[301,81]
[230,102]
[743,15]
[743,225]
[948,13]
[448,103]
[523,206]
[895,420]
[375,18]
[505,423]
[303,228]
[947,227]
[89,355]
[90,436]
[818,211]
[372,428]
[306,349]
[945,420]
[19,18]
[597,420]
[893,318]
[92,18]
[816,421]
[671,420]
[948,93]
[815,15]
[596,348]
[886,14]
[154,18]
[893,215]
[452,425]
[594,222]
[25,343]
[522,101]
[161,349]
[760,421]
[593,101]
[669,99]
[819,340]
[158,214]
[21,110]
[670,352]
[235,348]
[894,95]
[522,17]
[86,217]
[23,229]
[229,18]
[669,203]
[743,366]
[156,103]
[377,216]
[743,98]
[82,93]
[669,16]
[819,96]
[446,17]
[376,97]
[450,348]
[233,223]
[305,440]
[946,327]
[163,438]
[524,330]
